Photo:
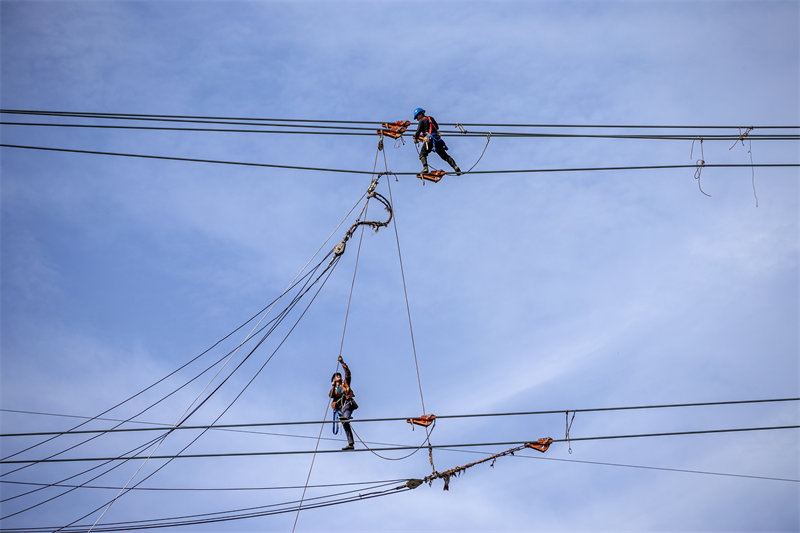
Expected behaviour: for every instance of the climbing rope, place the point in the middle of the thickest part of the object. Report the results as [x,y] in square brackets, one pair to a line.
[338,251]
[408,311]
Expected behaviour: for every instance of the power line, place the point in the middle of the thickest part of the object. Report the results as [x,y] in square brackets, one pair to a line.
[164,117]
[659,468]
[207,489]
[228,516]
[372,132]
[366,172]
[305,289]
[327,273]
[274,322]
[393,444]
[195,358]
[398,448]
[410,484]
[403,418]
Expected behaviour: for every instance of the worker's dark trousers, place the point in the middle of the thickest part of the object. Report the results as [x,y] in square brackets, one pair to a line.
[347,412]
[441,150]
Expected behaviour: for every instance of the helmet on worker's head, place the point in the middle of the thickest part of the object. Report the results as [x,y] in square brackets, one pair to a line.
[418,111]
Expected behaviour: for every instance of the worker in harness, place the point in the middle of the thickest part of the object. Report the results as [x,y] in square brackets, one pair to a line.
[344,401]
[428,129]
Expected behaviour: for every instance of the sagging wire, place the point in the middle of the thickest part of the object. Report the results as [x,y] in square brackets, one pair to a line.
[425,443]
[488,138]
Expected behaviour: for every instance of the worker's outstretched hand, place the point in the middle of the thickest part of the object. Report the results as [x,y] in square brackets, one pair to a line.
[340,359]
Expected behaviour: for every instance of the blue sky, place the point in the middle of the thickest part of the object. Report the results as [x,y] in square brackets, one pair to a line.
[527,292]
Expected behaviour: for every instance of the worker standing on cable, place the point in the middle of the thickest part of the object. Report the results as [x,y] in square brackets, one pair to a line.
[344,401]
[428,129]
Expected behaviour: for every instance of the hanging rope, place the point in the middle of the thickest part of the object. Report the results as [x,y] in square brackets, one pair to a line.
[742,137]
[338,251]
[488,138]
[408,311]
[425,442]
[568,425]
[700,163]
[752,169]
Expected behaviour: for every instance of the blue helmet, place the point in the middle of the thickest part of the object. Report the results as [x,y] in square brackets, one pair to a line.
[417,111]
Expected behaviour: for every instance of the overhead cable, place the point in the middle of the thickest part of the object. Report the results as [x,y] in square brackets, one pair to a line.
[163,117]
[403,418]
[371,132]
[222,516]
[397,448]
[347,171]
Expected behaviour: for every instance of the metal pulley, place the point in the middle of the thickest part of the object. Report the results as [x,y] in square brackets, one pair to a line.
[339,248]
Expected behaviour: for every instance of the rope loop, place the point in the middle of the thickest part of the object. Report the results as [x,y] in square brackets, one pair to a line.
[741,137]
[425,442]
[568,425]
[488,138]
[700,163]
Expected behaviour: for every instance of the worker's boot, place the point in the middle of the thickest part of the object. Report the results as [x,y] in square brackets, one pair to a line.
[424,159]
[452,163]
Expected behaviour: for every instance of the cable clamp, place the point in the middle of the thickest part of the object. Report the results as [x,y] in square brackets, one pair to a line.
[413,483]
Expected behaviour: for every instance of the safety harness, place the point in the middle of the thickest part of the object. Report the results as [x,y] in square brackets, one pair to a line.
[433,135]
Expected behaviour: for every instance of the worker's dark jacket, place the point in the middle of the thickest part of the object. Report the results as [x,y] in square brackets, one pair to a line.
[424,127]
[342,392]
[429,128]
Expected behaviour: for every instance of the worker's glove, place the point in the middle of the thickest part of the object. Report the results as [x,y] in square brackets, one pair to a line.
[416,141]
[340,359]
